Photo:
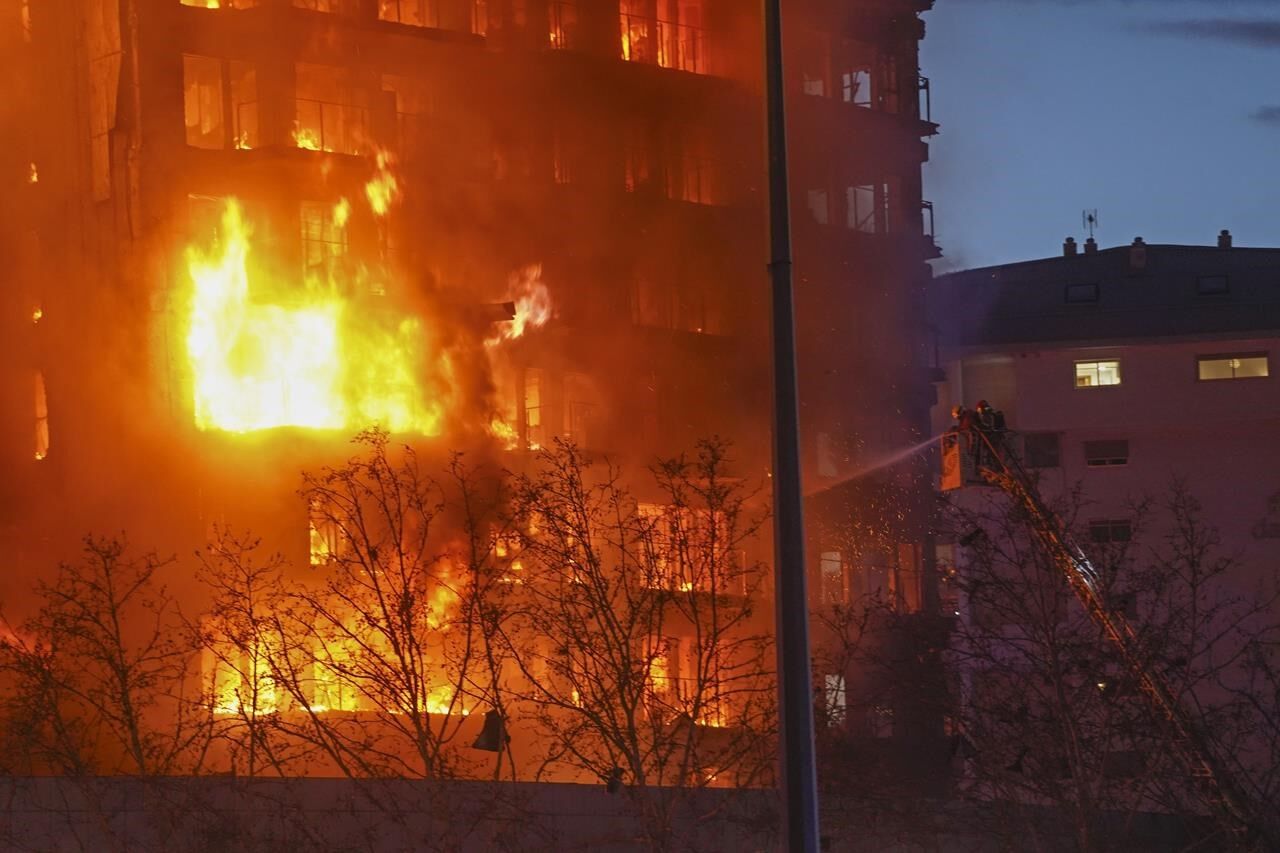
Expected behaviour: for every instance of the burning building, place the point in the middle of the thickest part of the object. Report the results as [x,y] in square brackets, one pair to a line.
[242,231]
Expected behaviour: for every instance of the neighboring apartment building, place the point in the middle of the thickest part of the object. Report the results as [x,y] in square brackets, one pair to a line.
[406,162]
[1121,371]
[1126,367]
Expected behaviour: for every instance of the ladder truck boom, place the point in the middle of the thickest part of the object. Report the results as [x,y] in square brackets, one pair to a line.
[976,456]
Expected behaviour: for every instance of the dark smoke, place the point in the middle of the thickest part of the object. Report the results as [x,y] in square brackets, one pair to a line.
[1256,33]
[1267,115]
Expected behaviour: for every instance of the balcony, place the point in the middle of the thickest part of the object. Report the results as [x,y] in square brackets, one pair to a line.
[653,41]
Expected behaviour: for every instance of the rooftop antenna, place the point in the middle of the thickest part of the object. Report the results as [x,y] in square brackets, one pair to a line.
[1089,219]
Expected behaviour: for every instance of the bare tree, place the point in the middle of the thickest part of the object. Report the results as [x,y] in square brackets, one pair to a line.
[1053,718]
[98,672]
[638,642]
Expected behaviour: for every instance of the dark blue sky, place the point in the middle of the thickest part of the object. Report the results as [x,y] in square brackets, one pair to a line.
[1162,114]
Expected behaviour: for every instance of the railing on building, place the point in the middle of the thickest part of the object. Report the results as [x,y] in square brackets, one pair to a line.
[563,25]
[654,41]
[926,223]
[330,126]
[926,99]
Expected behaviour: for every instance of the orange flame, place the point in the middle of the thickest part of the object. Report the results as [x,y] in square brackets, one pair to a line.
[311,362]
[306,137]
[382,189]
[532,304]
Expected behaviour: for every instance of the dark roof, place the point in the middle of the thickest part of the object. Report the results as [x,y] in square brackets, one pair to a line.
[1113,295]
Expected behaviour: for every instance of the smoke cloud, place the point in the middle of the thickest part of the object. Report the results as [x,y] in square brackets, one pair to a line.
[1267,115]
[1256,33]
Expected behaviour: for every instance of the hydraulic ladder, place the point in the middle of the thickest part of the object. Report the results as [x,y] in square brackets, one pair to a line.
[979,456]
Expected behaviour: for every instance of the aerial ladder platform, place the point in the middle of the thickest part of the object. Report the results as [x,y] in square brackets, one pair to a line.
[983,457]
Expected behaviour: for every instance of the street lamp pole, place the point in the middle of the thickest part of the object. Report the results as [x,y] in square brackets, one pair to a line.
[795,688]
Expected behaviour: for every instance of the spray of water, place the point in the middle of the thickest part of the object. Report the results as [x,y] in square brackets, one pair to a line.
[885,461]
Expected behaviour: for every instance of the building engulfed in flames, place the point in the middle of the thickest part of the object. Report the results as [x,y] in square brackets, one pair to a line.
[240,231]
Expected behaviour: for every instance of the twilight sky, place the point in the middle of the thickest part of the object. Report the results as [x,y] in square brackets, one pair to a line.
[1162,114]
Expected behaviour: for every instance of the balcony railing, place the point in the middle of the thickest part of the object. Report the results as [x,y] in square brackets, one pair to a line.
[656,42]
[563,25]
[328,126]
[926,101]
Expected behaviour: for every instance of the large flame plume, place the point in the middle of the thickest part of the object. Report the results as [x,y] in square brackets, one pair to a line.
[314,361]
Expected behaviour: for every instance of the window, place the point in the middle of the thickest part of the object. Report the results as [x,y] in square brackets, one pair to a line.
[1099,454]
[1080,294]
[413,103]
[1243,366]
[687,306]
[331,114]
[221,4]
[210,88]
[579,409]
[855,87]
[866,208]
[1041,450]
[324,532]
[534,434]
[693,173]
[1096,374]
[337,7]
[819,206]
[1108,530]
[42,417]
[1213,285]
[672,39]
[563,24]
[831,565]
[835,698]
[324,241]
[415,13]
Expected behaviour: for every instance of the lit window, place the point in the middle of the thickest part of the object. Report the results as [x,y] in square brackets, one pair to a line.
[324,241]
[831,565]
[414,107]
[221,4]
[1041,450]
[331,114]
[579,409]
[672,39]
[337,7]
[323,532]
[1244,366]
[836,700]
[1081,294]
[202,101]
[415,13]
[203,104]
[1101,454]
[814,85]
[533,421]
[1109,530]
[42,417]
[563,29]
[1095,374]
[695,176]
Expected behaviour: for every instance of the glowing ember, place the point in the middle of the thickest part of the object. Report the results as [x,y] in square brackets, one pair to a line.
[33,174]
[532,304]
[341,213]
[36,315]
[382,189]
[242,139]
[311,361]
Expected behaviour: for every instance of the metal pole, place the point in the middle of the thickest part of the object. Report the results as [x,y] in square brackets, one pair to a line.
[795,691]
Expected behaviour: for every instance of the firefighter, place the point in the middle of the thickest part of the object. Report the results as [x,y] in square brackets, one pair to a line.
[963,417]
[984,416]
